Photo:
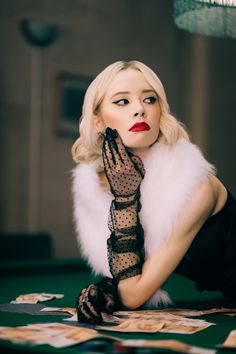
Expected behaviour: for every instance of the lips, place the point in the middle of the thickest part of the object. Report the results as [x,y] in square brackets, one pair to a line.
[139,127]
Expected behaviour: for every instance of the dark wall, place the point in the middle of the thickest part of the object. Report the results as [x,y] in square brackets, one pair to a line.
[198,74]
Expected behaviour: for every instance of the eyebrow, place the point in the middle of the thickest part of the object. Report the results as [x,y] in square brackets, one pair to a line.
[128,92]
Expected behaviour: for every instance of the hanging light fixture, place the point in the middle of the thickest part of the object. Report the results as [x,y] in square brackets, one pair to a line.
[215,18]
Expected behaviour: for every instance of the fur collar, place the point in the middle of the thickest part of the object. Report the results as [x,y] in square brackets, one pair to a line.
[171,176]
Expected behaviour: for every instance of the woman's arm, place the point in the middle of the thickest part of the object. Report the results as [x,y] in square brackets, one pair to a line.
[137,290]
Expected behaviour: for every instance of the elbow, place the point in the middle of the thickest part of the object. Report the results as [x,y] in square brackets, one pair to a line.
[129,295]
[130,304]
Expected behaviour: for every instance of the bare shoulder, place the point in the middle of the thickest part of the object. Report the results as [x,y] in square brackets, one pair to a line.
[220,193]
[204,198]
[211,195]
[208,198]
[200,207]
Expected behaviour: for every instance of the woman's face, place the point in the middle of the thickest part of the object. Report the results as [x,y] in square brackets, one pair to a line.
[131,107]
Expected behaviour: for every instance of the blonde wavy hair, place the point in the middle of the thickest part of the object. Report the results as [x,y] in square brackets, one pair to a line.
[88,147]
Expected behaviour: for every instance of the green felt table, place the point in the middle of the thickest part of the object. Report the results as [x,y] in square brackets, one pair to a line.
[69,276]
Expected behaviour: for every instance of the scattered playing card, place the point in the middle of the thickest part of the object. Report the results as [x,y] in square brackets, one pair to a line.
[35,298]
[72,318]
[169,344]
[165,323]
[57,335]
[66,310]
[230,341]
[176,312]
[132,325]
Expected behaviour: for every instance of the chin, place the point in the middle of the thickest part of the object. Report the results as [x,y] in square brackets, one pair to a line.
[139,143]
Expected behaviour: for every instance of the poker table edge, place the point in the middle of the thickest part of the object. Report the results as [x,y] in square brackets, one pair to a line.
[41,266]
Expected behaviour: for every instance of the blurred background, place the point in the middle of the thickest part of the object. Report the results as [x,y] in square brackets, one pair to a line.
[49,52]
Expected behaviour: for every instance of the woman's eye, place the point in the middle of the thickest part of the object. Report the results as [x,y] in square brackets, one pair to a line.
[121,102]
[150,100]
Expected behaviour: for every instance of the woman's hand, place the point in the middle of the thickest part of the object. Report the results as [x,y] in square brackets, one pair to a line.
[97,298]
[124,170]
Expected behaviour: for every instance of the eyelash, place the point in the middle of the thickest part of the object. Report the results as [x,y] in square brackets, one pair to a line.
[152,99]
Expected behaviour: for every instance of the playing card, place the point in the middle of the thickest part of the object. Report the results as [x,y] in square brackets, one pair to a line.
[35,297]
[174,345]
[230,341]
[173,325]
[66,310]
[133,325]
[57,335]
[176,311]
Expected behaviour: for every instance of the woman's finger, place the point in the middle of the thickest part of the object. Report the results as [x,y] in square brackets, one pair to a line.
[93,292]
[94,316]
[111,152]
[85,309]
[116,152]
[82,316]
[81,313]
[115,143]
[108,157]
[122,151]
[110,303]
[138,163]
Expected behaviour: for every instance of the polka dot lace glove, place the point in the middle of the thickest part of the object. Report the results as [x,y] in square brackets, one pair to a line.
[96,298]
[124,170]
[125,173]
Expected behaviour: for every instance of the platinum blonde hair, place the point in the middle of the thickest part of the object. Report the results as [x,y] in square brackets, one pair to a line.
[88,146]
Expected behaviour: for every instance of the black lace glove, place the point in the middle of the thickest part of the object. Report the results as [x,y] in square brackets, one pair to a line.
[124,172]
[96,298]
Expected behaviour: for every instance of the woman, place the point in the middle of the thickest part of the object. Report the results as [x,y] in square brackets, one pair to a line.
[146,202]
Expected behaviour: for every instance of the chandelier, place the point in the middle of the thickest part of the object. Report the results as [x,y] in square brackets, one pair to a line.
[215,18]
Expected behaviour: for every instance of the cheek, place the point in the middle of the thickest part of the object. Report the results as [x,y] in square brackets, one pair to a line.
[111,119]
[121,125]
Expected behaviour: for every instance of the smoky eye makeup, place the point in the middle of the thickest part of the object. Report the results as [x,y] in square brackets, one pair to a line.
[151,99]
[121,102]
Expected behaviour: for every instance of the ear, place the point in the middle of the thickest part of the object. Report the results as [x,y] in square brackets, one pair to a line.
[99,124]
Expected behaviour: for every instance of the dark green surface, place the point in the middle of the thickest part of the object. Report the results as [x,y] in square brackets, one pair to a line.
[70,276]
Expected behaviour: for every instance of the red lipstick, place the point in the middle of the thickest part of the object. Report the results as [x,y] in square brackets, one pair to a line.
[139,127]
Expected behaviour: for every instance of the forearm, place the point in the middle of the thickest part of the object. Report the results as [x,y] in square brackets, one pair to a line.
[135,291]
[124,172]
[137,280]
[123,217]
[125,243]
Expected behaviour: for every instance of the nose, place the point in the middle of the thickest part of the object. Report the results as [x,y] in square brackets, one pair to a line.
[139,110]
[139,114]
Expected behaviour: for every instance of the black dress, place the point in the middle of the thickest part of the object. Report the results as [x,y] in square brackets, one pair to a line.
[211,259]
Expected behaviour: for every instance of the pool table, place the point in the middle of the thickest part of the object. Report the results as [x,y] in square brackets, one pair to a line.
[69,276]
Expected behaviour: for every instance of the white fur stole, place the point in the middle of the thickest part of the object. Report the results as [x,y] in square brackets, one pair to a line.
[172,175]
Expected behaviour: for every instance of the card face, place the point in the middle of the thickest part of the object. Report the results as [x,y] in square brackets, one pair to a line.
[152,321]
[169,344]
[230,341]
[67,310]
[145,326]
[57,335]
[177,312]
[60,335]
[34,298]
[183,326]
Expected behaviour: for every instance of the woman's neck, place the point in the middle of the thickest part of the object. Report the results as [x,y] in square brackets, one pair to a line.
[140,152]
